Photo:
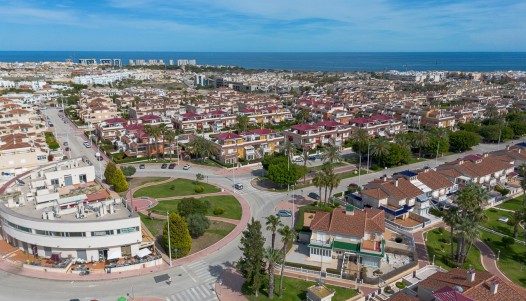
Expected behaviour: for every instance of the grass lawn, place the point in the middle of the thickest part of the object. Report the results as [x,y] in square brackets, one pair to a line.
[296,290]
[215,233]
[154,225]
[227,202]
[502,227]
[319,167]
[182,187]
[438,245]
[511,258]
[136,182]
[351,174]
[513,204]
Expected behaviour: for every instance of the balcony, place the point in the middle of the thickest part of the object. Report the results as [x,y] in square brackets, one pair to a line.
[371,246]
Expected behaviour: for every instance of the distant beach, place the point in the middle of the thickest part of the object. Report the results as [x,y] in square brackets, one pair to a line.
[305,61]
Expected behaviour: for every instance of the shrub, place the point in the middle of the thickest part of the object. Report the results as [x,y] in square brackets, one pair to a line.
[436,212]
[303,266]
[400,285]
[388,289]
[199,189]
[197,224]
[333,271]
[189,206]
[441,230]
[507,241]
[399,239]
[218,211]
[172,187]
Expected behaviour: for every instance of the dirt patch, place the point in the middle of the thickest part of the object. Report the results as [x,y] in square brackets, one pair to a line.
[307,218]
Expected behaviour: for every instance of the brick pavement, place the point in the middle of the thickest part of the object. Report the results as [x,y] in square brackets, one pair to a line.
[488,260]
[230,288]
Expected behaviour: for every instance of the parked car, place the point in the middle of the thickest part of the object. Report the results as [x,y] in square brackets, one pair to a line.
[164,166]
[238,186]
[298,159]
[186,167]
[284,213]
[142,166]
[87,144]
[312,158]
[171,166]
[314,195]
[67,149]
[100,158]
[66,143]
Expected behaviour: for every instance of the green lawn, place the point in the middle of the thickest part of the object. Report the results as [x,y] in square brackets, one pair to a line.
[154,225]
[136,182]
[511,258]
[181,187]
[227,202]
[351,174]
[502,227]
[438,245]
[513,204]
[319,167]
[296,290]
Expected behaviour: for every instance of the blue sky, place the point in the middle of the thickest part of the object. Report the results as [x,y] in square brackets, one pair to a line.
[264,25]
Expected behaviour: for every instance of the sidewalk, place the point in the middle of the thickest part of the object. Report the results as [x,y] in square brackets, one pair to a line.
[230,287]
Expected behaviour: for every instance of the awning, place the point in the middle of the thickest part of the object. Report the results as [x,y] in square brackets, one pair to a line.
[115,254]
[143,252]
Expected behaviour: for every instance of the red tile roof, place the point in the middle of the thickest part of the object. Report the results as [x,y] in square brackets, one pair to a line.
[227,136]
[338,222]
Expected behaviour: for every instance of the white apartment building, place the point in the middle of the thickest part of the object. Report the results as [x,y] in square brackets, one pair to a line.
[60,209]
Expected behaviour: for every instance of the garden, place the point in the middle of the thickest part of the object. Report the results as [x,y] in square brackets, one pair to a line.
[229,205]
[177,187]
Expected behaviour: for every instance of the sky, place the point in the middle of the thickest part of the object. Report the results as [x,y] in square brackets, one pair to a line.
[264,25]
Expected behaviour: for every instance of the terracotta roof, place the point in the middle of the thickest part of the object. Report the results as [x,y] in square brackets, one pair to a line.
[260,132]
[370,220]
[403,297]
[505,291]
[150,117]
[448,294]
[375,193]
[303,127]
[433,179]
[115,120]
[227,136]
[455,277]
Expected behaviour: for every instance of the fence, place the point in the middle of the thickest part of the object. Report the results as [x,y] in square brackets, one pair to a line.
[301,270]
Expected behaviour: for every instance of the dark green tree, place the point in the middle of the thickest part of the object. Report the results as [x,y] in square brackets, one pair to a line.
[180,238]
[129,170]
[197,224]
[283,173]
[462,140]
[242,122]
[188,206]
[252,265]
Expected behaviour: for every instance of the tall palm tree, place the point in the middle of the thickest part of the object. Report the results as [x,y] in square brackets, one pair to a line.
[516,219]
[403,140]
[272,257]
[421,140]
[379,148]
[318,181]
[333,181]
[289,149]
[287,236]
[273,224]
[331,154]
[452,219]
[522,173]
[471,234]
[150,130]
[361,137]
[169,136]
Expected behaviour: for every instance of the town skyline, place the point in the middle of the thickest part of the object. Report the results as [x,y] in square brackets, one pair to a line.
[293,26]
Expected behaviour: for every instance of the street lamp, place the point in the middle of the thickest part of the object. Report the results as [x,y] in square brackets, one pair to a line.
[433,259]
[220,282]
[498,255]
[169,244]
[293,205]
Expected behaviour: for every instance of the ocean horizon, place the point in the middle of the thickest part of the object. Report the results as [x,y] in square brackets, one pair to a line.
[302,61]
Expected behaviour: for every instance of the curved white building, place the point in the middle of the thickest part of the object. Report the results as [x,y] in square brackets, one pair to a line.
[61,209]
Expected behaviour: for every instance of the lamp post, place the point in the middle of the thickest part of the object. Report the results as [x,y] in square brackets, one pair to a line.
[433,259]
[293,209]
[169,244]
[498,255]
[220,282]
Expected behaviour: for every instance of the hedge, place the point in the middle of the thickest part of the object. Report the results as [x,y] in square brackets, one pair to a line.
[303,266]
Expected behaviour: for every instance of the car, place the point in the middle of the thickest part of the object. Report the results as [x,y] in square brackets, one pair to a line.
[314,195]
[186,167]
[298,160]
[312,158]
[60,111]
[141,166]
[51,125]
[238,186]
[67,149]
[87,144]
[171,166]
[100,158]
[164,166]
[66,143]
[284,213]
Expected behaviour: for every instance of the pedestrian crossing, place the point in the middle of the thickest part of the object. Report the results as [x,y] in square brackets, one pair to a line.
[203,292]
[200,272]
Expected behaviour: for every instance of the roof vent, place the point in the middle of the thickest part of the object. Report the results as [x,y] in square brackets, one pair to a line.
[459,289]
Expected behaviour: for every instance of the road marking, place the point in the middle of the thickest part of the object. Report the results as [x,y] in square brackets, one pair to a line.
[182,267]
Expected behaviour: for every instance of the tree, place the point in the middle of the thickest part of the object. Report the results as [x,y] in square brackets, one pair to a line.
[197,224]
[109,172]
[522,172]
[287,236]
[404,139]
[331,154]
[188,206]
[128,170]
[179,236]
[397,154]
[199,177]
[333,181]
[380,148]
[421,140]
[283,174]
[170,136]
[507,241]
[496,133]
[290,149]
[517,218]
[119,181]
[272,257]
[360,140]
[242,122]
[201,147]
[319,181]
[302,116]
[273,223]
[462,140]
[251,265]
[452,219]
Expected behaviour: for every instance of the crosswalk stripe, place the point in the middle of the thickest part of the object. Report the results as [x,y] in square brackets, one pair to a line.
[186,295]
[192,292]
[204,289]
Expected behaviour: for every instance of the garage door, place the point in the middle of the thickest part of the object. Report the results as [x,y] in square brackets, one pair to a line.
[68,181]
[82,254]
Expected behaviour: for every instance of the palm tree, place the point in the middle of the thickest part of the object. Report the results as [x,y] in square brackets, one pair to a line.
[150,130]
[273,223]
[272,257]
[333,181]
[201,147]
[516,219]
[379,148]
[471,234]
[332,154]
[318,181]
[403,140]
[305,156]
[361,138]
[452,219]
[522,173]
[421,139]
[242,122]
[289,149]
[287,236]
[169,136]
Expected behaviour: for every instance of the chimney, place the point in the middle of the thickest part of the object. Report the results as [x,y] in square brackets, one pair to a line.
[396,183]
[384,177]
[471,275]
[349,210]
[494,287]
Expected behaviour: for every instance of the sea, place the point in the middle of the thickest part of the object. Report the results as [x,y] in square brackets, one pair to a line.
[303,61]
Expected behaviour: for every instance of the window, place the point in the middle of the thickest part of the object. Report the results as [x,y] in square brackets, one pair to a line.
[76,234]
[55,182]
[83,178]
[102,233]
[127,230]
[41,158]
